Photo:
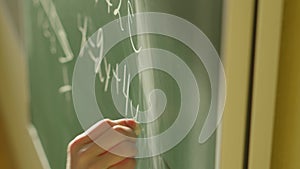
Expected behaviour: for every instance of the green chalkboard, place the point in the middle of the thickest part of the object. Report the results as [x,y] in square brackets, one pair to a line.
[56,30]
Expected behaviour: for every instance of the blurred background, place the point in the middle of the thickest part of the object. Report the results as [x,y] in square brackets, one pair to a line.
[256,39]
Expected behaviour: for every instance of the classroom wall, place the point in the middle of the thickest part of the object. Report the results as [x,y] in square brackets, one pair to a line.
[6,158]
[6,155]
[286,140]
[237,39]
[17,150]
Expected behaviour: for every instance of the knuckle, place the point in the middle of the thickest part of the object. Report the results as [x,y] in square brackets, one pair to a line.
[124,130]
[120,129]
[73,145]
[106,120]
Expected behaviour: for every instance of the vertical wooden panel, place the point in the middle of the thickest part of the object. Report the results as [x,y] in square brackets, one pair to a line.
[14,97]
[236,53]
[6,157]
[286,143]
[265,82]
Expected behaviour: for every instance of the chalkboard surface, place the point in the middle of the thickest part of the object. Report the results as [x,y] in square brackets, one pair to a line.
[55,31]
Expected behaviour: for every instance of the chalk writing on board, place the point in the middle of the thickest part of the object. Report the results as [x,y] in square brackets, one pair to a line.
[107,66]
[57,27]
[117,12]
[116,76]
[109,4]
[109,72]
[82,25]
[130,16]
[56,24]
[66,88]
[47,34]
[83,30]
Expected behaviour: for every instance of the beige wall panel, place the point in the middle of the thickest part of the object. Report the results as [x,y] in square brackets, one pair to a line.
[286,144]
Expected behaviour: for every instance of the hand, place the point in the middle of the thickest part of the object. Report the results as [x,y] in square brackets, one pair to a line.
[115,135]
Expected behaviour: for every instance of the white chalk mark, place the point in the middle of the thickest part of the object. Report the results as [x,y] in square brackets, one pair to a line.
[97,69]
[117,12]
[91,43]
[53,45]
[65,88]
[116,76]
[107,78]
[97,62]
[120,21]
[99,40]
[58,29]
[83,30]
[129,21]
[124,80]
[99,44]
[134,116]
[92,56]
[81,52]
[126,89]
[109,4]
[107,70]
[137,111]
[131,107]
[65,75]
[127,94]
[101,77]
[46,32]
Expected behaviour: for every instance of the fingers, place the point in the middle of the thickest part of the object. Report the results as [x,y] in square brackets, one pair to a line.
[87,137]
[97,130]
[116,138]
[108,159]
[110,138]
[128,163]
[100,127]
[126,122]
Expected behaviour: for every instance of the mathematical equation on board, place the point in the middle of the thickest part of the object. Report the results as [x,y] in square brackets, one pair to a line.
[60,35]
[53,21]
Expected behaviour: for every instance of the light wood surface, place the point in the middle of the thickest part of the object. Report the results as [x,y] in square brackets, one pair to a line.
[286,143]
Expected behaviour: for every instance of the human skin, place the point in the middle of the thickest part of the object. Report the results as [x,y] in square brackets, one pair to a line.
[117,136]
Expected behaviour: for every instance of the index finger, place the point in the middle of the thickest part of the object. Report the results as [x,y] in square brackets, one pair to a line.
[97,130]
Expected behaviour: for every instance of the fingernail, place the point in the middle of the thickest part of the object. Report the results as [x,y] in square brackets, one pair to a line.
[137,129]
[134,125]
